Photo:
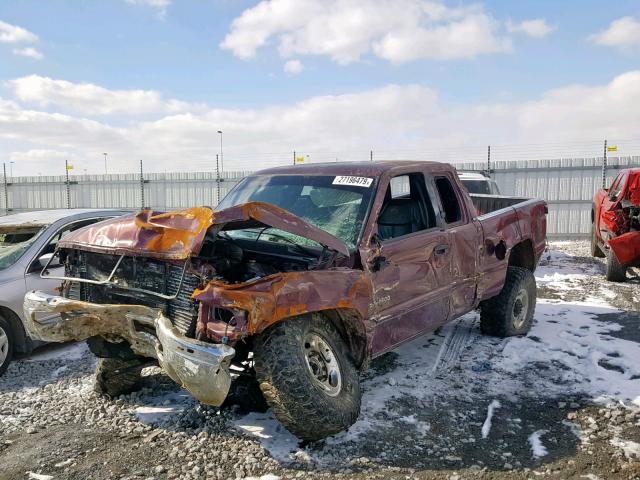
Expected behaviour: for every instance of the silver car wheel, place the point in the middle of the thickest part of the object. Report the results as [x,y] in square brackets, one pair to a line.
[322,364]
[4,346]
[520,309]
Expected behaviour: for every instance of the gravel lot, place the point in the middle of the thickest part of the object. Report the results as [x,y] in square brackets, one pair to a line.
[564,402]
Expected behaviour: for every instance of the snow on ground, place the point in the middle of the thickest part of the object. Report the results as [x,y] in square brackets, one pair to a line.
[537,448]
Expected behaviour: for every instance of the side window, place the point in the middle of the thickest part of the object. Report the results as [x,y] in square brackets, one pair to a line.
[407,207]
[50,247]
[449,199]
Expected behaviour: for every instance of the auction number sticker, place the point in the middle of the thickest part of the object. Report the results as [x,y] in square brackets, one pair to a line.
[353,181]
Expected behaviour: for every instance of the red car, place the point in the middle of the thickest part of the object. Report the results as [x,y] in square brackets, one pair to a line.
[615,231]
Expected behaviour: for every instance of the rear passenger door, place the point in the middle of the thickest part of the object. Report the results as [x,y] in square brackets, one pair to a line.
[464,237]
[408,264]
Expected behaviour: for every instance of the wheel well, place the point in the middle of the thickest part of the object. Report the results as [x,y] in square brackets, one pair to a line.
[522,256]
[351,327]
[22,341]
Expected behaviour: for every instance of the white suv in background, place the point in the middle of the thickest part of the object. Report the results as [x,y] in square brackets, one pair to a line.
[478,183]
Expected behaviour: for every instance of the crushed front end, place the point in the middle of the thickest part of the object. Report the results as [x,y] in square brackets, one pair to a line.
[146,304]
[623,223]
[181,289]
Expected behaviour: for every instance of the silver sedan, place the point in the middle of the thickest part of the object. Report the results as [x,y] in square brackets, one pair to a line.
[27,243]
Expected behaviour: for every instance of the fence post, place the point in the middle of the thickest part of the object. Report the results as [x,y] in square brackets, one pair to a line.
[371,155]
[294,157]
[66,172]
[489,159]
[6,190]
[141,186]
[217,181]
[604,165]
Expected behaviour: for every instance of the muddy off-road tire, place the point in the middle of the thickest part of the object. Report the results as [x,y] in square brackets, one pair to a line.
[615,271]
[118,377]
[308,377]
[511,312]
[596,251]
[7,342]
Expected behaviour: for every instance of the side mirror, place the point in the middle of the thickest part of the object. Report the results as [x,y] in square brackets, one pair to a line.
[46,258]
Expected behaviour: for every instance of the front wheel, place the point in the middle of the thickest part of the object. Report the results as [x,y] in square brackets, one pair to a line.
[308,377]
[510,313]
[616,272]
[115,376]
[596,251]
[7,342]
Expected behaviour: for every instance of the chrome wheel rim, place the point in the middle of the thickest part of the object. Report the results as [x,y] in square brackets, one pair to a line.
[520,309]
[322,364]
[4,346]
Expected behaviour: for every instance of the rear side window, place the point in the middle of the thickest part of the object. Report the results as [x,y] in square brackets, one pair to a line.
[449,200]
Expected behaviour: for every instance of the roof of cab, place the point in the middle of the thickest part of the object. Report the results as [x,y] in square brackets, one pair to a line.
[375,169]
[48,217]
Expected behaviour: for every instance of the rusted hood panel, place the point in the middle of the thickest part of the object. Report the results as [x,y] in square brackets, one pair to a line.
[171,235]
[179,234]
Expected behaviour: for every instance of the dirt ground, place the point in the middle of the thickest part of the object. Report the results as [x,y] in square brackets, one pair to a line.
[563,402]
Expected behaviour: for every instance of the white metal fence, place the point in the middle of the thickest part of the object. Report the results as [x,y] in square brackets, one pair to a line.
[568,185]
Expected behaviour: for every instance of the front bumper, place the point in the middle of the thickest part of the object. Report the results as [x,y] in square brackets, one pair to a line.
[202,368]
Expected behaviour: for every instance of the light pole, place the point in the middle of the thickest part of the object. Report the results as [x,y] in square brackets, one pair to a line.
[105,163]
[221,157]
[11,169]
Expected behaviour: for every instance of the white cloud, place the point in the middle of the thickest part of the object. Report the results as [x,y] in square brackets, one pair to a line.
[160,5]
[622,33]
[536,28]
[91,99]
[347,30]
[29,52]
[293,67]
[14,34]
[394,118]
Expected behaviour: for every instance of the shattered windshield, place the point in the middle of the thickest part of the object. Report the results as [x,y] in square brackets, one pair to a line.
[14,241]
[336,205]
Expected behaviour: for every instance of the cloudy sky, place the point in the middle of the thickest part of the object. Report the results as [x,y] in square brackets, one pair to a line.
[156,79]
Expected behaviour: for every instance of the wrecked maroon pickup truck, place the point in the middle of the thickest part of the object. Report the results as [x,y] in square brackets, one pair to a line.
[300,277]
[615,224]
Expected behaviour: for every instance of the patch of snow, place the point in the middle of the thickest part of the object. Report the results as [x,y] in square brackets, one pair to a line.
[66,351]
[158,409]
[575,343]
[39,476]
[630,449]
[279,442]
[268,476]
[537,448]
[421,427]
[486,426]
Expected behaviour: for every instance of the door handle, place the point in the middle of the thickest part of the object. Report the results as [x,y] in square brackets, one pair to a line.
[441,250]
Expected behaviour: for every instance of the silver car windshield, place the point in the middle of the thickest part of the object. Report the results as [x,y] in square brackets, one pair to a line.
[14,242]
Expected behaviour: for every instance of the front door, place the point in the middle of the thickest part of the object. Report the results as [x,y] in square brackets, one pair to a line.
[409,265]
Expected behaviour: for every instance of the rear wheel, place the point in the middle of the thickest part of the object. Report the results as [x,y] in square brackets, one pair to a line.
[511,312]
[7,342]
[615,271]
[308,377]
[596,251]
[115,376]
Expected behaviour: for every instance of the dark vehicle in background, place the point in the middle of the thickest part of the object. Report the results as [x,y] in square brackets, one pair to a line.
[27,243]
[297,280]
[615,224]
